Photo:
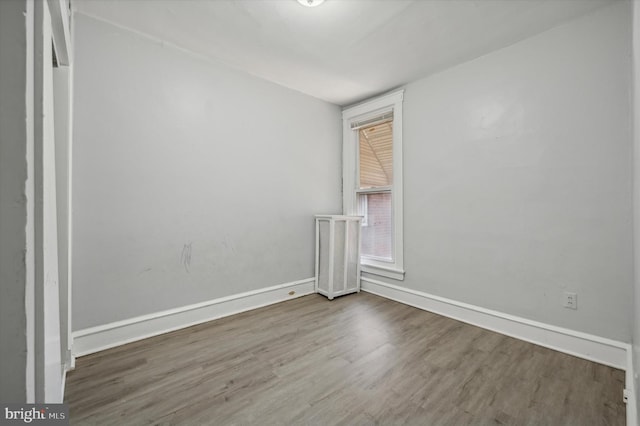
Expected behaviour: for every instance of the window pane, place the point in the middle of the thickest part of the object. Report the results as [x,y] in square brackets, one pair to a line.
[377,237]
[375,155]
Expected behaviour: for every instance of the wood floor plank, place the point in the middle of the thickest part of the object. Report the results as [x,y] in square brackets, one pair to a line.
[359,359]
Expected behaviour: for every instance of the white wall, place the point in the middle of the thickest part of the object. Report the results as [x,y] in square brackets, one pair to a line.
[13,201]
[191,181]
[517,171]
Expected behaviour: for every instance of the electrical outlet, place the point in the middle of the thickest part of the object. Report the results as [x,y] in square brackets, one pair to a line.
[570,300]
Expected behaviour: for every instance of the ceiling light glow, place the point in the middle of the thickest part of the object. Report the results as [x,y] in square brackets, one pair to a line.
[311,3]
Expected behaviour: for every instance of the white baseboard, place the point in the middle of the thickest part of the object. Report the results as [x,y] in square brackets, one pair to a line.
[583,345]
[106,336]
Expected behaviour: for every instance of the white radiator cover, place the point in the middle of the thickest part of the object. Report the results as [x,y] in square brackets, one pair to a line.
[337,255]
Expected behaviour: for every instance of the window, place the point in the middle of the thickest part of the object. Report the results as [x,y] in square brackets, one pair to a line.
[372,180]
[374,189]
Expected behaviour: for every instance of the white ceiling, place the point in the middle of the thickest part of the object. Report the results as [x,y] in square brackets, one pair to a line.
[342,51]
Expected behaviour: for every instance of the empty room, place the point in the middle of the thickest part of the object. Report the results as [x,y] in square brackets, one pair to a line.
[319,212]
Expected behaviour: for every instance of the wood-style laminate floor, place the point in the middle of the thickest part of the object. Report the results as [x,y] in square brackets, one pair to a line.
[356,360]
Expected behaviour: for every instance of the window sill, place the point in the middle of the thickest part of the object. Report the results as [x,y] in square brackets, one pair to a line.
[396,274]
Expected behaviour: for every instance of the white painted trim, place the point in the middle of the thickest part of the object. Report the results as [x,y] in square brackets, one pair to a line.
[366,110]
[30,373]
[69,329]
[583,345]
[330,217]
[118,333]
[60,30]
[396,274]
[630,389]
[63,382]
[373,106]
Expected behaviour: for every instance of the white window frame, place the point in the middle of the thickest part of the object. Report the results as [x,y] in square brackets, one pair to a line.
[363,206]
[368,110]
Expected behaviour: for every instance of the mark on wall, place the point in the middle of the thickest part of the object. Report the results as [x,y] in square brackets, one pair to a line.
[185,258]
[144,271]
[228,244]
